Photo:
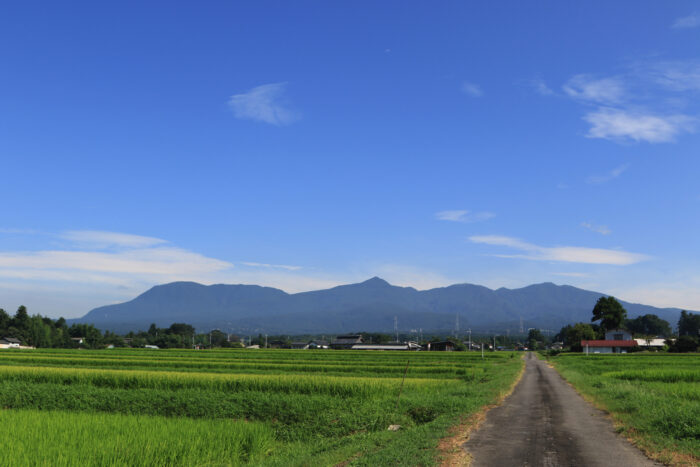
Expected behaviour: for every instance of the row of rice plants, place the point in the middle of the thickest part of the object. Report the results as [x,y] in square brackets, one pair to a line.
[653,397]
[60,438]
[128,379]
[238,366]
[314,418]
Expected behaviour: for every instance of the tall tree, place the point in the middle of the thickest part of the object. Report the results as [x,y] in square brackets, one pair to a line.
[689,324]
[648,325]
[609,312]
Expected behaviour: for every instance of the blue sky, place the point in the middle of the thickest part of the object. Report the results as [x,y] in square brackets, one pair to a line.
[307,144]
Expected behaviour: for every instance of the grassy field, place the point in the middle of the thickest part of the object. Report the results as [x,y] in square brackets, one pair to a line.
[654,398]
[239,407]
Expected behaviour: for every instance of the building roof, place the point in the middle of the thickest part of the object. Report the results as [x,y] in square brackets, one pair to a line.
[651,342]
[609,343]
[381,347]
[12,340]
[348,340]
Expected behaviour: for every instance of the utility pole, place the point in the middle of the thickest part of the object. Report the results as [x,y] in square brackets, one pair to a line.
[482,350]
[522,331]
[494,343]
[265,340]
[470,339]
[396,327]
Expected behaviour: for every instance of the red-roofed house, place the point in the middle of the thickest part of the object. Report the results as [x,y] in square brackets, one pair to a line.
[616,341]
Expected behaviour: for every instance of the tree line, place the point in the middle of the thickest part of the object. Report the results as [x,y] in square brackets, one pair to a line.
[43,332]
[610,314]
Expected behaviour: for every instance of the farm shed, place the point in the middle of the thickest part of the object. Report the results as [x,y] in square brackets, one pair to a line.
[318,344]
[440,346]
[390,346]
[9,342]
[346,341]
[616,341]
[608,346]
[299,345]
[652,344]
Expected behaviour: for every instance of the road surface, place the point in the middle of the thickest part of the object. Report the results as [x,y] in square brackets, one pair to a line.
[546,423]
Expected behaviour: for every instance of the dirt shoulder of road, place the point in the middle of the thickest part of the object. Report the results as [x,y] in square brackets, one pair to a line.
[450,450]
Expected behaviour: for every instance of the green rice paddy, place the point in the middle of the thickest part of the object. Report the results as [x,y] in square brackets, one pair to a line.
[654,398]
[239,407]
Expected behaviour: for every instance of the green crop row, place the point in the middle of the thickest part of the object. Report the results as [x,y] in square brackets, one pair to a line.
[310,417]
[654,398]
[415,370]
[132,379]
[59,438]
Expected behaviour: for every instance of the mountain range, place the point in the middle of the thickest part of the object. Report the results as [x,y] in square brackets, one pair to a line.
[368,306]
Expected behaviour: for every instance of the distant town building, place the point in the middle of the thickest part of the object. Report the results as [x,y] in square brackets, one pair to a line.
[440,346]
[9,342]
[299,345]
[319,344]
[616,341]
[651,344]
[346,341]
[389,346]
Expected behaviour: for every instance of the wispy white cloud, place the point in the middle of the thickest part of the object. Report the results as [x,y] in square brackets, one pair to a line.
[595,90]
[101,239]
[471,89]
[264,104]
[606,177]
[643,103]
[678,75]
[571,274]
[601,229]
[569,254]
[542,88]
[686,22]
[163,261]
[274,266]
[618,124]
[462,215]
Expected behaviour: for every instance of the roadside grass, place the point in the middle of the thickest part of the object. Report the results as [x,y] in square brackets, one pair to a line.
[311,407]
[653,398]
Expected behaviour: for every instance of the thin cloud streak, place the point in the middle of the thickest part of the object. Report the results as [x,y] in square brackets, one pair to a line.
[462,215]
[617,124]
[601,229]
[101,239]
[568,254]
[471,89]
[612,175]
[263,104]
[601,91]
[273,266]
[687,22]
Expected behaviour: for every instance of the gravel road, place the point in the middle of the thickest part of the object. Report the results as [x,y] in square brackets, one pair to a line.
[546,423]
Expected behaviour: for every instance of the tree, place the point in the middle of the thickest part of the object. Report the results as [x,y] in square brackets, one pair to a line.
[4,321]
[689,324]
[648,325]
[573,335]
[533,337]
[609,312]
[684,344]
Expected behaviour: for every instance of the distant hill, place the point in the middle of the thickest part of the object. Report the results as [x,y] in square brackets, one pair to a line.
[366,306]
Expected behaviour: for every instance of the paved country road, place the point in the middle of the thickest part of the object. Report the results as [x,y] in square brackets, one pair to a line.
[546,423]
